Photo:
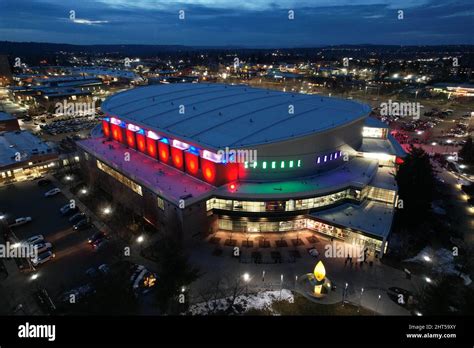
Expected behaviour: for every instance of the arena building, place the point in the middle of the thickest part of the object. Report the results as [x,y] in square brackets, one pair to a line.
[193,159]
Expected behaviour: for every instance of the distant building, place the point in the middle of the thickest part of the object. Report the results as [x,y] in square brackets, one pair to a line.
[24,156]
[456,89]
[8,122]
[5,71]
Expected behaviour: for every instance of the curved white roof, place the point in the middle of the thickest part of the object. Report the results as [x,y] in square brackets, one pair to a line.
[217,115]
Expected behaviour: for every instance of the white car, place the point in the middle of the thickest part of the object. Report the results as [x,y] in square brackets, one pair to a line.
[42,247]
[34,240]
[52,192]
[20,221]
[42,258]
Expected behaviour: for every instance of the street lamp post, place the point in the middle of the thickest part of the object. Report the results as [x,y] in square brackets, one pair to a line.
[246,278]
[281,285]
[377,305]
[344,294]
[360,300]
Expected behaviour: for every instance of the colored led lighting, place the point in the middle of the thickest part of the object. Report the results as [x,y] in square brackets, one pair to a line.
[264,165]
[325,159]
[291,164]
[246,165]
[116,121]
[254,164]
[164,140]
[180,145]
[299,163]
[273,165]
[282,164]
[319,160]
[152,135]
[211,156]
[132,127]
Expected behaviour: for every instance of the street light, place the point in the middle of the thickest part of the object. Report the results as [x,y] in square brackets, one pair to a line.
[377,305]
[281,285]
[107,211]
[344,293]
[428,280]
[84,191]
[140,239]
[360,301]
[427,258]
[34,276]
[246,278]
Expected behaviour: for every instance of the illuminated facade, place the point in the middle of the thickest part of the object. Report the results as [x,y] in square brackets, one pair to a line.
[165,144]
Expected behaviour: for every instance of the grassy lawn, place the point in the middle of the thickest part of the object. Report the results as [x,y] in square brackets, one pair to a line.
[303,306]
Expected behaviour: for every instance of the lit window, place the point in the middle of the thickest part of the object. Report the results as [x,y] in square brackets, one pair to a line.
[291,164]
[325,158]
[299,163]
[319,160]
[161,203]
[264,165]
[273,165]
[282,164]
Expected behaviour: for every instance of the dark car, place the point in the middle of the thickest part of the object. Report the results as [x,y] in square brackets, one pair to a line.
[77,217]
[78,294]
[82,225]
[44,182]
[100,244]
[68,210]
[95,237]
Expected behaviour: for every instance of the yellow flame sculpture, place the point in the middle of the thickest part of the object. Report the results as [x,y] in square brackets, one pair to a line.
[319,271]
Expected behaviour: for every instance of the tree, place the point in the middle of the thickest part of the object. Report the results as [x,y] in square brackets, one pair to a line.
[467,151]
[175,273]
[440,298]
[416,186]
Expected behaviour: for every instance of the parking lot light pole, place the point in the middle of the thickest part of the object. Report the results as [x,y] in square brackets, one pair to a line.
[281,285]
[377,305]
[344,294]
[360,300]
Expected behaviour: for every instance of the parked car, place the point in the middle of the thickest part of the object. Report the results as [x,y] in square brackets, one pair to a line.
[77,217]
[21,221]
[43,258]
[99,244]
[82,225]
[44,301]
[313,252]
[52,192]
[96,236]
[68,210]
[79,294]
[44,182]
[43,246]
[34,239]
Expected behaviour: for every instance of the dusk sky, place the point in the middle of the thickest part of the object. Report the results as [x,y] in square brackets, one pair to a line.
[253,23]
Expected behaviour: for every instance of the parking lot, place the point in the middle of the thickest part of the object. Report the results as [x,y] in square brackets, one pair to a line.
[73,255]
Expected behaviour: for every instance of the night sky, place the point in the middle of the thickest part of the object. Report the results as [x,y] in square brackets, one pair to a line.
[252,23]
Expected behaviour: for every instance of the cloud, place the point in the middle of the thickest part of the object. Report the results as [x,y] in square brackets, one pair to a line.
[88,21]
